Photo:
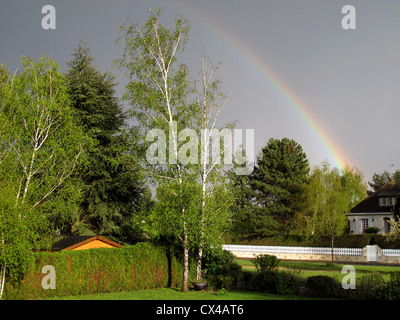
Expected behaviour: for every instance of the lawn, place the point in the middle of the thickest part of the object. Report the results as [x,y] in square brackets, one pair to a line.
[308,269]
[176,294]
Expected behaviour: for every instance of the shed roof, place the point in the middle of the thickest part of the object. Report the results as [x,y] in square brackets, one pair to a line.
[72,242]
[371,203]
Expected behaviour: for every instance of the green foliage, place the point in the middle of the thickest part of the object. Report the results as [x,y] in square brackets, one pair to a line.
[157,92]
[20,227]
[266,262]
[45,142]
[142,266]
[109,178]
[380,179]
[371,230]
[276,182]
[322,287]
[368,287]
[389,290]
[276,282]
[327,196]
[220,269]
[40,146]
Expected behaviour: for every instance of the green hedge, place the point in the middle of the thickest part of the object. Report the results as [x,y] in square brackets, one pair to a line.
[142,266]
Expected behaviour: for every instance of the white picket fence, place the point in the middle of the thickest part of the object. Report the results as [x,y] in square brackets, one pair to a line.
[395,253]
[294,250]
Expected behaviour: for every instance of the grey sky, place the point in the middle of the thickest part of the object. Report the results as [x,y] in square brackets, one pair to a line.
[347,79]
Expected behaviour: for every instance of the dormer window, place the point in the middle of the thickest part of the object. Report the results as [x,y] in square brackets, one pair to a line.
[387,201]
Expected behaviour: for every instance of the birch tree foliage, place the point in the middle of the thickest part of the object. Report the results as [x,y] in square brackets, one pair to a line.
[40,146]
[163,97]
[216,198]
[42,137]
[16,235]
[157,92]
[158,87]
[329,194]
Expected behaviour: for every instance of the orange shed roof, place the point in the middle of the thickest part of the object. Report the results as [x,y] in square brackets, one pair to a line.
[74,242]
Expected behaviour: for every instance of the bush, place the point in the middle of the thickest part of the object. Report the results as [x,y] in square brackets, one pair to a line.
[142,266]
[322,287]
[389,290]
[366,287]
[371,230]
[276,282]
[221,270]
[266,262]
[263,281]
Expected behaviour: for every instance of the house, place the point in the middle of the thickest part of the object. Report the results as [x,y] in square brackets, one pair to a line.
[376,210]
[82,243]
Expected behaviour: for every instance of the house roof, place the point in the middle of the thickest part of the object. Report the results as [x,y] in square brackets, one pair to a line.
[371,203]
[72,242]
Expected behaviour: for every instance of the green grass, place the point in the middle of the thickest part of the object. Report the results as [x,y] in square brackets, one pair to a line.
[308,269]
[176,294]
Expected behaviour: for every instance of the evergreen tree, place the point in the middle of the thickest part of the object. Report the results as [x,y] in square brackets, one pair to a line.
[379,180]
[109,178]
[243,207]
[281,170]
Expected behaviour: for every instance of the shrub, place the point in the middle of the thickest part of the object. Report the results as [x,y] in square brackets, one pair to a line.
[322,287]
[277,282]
[371,230]
[366,286]
[220,269]
[142,266]
[266,262]
[263,281]
[389,290]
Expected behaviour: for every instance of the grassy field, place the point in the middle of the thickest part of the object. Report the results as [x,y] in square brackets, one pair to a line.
[308,269]
[176,294]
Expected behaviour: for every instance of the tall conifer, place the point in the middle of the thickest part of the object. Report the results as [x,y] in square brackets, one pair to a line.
[109,178]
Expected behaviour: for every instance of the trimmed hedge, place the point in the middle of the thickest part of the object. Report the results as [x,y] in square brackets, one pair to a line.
[142,266]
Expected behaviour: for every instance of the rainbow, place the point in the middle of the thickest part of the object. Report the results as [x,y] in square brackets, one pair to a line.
[334,153]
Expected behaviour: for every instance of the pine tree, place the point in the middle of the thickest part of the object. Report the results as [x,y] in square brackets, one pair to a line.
[109,177]
[276,181]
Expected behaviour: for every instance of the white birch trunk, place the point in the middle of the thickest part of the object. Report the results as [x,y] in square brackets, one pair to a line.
[2,271]
[2,278]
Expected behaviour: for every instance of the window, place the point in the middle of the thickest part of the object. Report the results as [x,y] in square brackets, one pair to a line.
[387,201]
[364,224]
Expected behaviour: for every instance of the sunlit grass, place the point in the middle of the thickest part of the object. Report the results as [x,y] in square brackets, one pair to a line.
[176,294]
[308,269]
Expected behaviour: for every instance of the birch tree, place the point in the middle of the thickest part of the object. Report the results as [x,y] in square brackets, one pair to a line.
[192,191]
[157,91]
[327,197]
[215,196]
[43,137]
[43,146]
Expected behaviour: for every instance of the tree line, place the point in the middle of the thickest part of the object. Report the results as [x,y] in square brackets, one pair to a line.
[72,163]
